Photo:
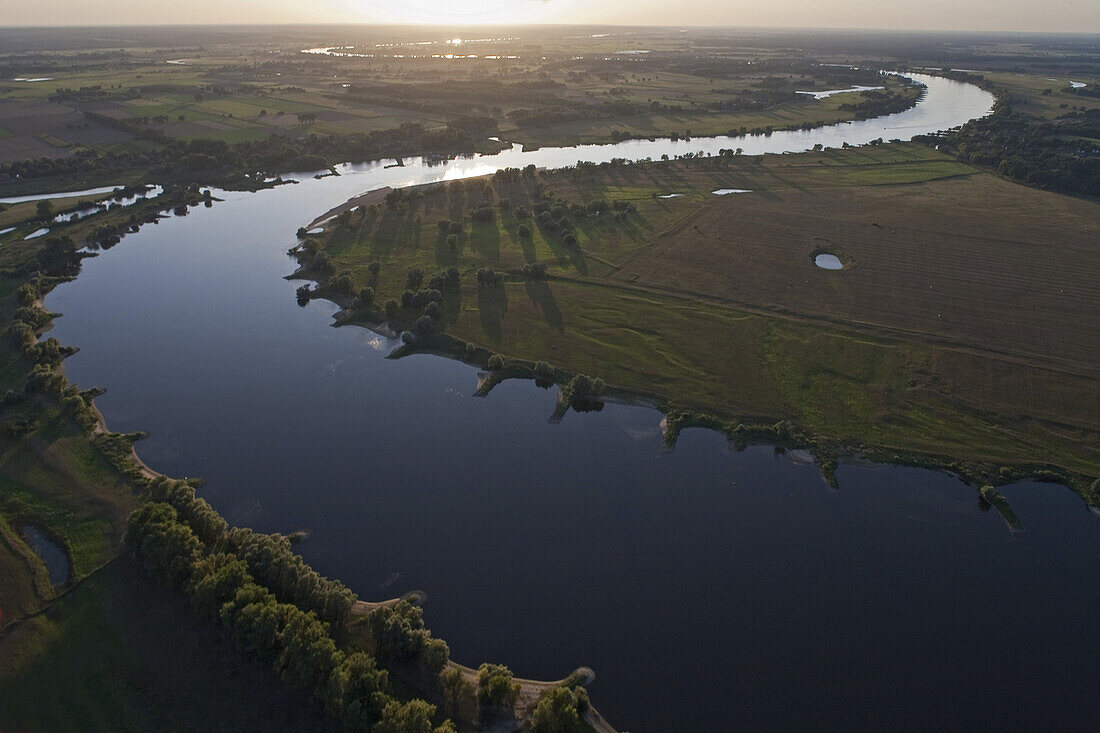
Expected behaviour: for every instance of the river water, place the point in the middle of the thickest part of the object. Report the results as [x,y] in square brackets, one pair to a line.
[708,589]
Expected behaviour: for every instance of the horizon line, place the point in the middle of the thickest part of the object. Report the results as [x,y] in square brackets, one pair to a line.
[366,24]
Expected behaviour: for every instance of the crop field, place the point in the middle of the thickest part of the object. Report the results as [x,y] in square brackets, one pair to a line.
[714,302]
[237,92]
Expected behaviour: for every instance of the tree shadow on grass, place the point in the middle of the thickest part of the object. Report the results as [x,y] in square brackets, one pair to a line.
[447,254]
[452,304]
[485,240]
[492,304]
[540,294]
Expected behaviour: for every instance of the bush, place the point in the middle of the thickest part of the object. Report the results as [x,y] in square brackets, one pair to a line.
[496,362]
[342,283]
[495,686]
[391,308]
[543,370]
[424,325]
[524,231]
[584,386]
[559,710]
[570,240]
[535,270]
[414,278]
[433,311]
[546,221]
[470,348]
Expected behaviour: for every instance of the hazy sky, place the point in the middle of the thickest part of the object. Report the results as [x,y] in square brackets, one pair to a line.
[1048,15]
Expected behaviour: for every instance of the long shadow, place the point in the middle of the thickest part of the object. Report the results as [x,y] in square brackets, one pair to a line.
[539,293]
[452,304]
[492,304]
[552,237]
[485,240]
[444,253]
[580,264]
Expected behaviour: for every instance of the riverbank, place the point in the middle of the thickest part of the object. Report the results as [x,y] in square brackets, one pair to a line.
[28,627]
[666,271]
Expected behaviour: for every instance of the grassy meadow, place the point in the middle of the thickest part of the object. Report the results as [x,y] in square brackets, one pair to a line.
[713,302]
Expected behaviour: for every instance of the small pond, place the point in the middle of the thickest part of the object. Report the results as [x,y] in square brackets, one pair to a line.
[827,261]
[55,559]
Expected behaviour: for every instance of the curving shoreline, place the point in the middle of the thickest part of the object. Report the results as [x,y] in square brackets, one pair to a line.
[147,471]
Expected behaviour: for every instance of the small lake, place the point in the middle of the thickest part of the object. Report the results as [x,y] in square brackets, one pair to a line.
[54,558]
[703,586]
[827,261]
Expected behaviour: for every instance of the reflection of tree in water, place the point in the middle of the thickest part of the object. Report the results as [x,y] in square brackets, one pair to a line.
[492,304]
[539,293]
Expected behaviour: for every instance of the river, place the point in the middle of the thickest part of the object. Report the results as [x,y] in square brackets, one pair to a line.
[708,589]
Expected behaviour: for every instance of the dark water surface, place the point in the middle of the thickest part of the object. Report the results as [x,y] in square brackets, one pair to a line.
[53,557]
[709,590]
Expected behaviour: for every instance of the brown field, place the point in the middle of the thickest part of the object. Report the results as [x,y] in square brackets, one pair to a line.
[976,262]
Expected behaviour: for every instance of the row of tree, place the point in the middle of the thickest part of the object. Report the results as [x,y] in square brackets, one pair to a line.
[295,643]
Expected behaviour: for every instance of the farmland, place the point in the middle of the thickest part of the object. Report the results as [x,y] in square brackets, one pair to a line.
[137,99]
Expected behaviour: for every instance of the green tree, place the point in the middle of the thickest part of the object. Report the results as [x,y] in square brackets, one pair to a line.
[454,686]
[496,686]
[356,692]
[414,716]
[560,710]
[162,544]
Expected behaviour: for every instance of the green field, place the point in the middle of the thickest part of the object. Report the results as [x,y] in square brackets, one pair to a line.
[713,303]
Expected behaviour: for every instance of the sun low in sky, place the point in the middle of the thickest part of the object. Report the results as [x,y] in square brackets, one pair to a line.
[994,15]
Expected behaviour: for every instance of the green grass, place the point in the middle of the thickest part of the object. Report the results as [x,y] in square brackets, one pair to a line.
[851,386]
[121,653]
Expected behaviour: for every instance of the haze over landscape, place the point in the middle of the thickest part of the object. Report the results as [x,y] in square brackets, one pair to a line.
[1077,16]
[549,366]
